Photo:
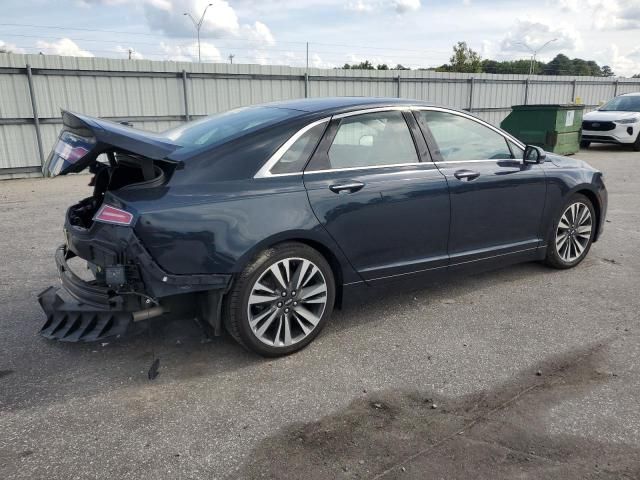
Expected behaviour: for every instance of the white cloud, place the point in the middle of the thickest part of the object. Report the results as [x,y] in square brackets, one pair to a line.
[258,34]
[404,6]
[536,34]
[622,64]
[606,14]
[189,53]
[10,47]
[64,46]
[359,6]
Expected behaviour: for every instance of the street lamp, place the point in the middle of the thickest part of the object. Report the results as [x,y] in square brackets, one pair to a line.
[534,53]
[198,24]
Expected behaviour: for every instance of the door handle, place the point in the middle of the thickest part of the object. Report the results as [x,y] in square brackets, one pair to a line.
[349,187]
[467,175]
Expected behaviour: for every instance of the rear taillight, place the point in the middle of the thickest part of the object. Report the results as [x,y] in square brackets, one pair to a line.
[109,214]
[68,153]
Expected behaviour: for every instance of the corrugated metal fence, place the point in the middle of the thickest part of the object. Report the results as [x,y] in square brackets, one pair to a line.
[159,95]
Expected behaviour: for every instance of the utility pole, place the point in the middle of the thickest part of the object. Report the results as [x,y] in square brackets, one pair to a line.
[307,56]
[198,25]
[130,53]
[231,55]
[534,54]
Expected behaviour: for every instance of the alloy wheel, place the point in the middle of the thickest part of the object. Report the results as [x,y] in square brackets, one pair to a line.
[574,232]
[287,302]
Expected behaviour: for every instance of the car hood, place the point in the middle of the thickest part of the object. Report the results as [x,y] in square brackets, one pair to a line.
[609,116]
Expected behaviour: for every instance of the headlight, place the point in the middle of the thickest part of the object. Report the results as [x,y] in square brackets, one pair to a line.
[628,120]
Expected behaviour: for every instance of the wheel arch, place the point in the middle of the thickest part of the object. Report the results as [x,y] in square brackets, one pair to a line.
[341,269]
[595,201]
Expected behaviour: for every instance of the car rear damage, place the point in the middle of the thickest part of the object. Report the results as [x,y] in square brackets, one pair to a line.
[128,286]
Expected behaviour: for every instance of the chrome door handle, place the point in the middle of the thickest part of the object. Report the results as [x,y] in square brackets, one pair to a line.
[467,175]
[349,187]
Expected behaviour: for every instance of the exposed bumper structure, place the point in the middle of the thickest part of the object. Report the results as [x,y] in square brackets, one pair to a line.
[91,312]
[87,311]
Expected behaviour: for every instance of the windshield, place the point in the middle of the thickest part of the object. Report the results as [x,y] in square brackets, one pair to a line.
[625,103]
[226,126]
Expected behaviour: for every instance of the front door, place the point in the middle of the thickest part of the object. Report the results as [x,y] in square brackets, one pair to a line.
[386,208]
[496,199]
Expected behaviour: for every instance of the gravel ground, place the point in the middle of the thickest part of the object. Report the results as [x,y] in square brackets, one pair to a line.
[525,372]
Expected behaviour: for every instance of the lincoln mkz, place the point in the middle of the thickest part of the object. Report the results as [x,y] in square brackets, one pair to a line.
[263,219]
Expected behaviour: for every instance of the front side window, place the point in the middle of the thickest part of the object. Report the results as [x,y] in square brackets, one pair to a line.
[372,139]
[295,158]
[460,138]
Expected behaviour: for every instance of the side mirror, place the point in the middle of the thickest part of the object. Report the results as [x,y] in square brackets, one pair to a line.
[534,155]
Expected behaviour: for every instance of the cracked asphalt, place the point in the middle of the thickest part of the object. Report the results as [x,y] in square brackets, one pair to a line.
[524,372]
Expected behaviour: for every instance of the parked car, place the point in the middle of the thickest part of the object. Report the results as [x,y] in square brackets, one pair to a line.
[262,219]
[617,121]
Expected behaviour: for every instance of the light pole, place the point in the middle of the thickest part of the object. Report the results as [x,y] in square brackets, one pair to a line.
[534,53]
[198,24]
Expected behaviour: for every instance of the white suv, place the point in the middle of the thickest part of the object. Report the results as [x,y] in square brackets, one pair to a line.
[617,121]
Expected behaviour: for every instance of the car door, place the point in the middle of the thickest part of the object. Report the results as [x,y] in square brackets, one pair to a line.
[496,199]
[369,187]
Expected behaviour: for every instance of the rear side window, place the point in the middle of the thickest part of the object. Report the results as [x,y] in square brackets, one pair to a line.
[296,157]
[372,139]
[460,138]
[227,126]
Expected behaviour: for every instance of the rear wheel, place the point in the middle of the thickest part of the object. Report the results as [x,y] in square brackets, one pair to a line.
[281,300]
[584,144]
[573,233]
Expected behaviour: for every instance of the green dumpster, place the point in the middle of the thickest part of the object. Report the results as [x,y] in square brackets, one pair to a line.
[556,128]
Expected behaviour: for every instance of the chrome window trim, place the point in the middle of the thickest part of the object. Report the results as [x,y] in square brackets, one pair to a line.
[390,108]
[326,170]
[265,171]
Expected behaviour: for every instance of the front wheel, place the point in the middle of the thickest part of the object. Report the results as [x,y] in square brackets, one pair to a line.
[573,233]
[636,144]
[281,301]
[584,144]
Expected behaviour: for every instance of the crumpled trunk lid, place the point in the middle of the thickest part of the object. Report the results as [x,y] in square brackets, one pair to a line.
[84,138]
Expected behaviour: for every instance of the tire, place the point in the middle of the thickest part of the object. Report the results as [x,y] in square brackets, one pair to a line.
[584,144]
[636,144]
[280,320]
[569,241]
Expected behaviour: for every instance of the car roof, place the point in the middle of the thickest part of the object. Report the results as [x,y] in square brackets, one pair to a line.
[342,104]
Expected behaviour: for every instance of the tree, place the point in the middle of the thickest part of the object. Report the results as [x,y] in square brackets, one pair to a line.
[366,65]
[560,65]
[464,59]
[607,72]
[637,75]
[401,67]
[5,49]
[384,66]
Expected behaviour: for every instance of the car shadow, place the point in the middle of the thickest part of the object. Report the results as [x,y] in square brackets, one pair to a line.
[184,352]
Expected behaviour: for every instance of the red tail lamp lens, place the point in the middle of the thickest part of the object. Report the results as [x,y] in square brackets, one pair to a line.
[109,214]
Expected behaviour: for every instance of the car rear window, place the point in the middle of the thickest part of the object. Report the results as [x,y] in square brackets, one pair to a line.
[217,129]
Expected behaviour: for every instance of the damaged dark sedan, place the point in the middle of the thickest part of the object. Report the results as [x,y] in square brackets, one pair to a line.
[260,220]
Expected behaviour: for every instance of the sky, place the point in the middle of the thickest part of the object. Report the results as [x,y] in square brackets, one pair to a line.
[414,33]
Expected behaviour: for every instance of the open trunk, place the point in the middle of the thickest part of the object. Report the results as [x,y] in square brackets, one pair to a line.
[130,159]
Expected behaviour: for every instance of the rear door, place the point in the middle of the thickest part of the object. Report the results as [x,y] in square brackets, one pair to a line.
[370,187]
[496,199]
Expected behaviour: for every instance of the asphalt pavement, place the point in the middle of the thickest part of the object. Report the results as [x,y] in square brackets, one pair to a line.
[525,372]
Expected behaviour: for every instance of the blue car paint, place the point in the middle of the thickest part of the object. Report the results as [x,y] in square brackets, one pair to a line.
[213,217]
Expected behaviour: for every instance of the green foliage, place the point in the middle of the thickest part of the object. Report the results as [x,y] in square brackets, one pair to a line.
[464,59]
[607,72]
